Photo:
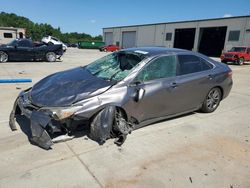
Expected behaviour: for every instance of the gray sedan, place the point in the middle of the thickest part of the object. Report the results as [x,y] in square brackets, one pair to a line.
[121,92]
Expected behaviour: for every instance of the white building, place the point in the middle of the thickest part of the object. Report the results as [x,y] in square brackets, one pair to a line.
[209,36]
[7,34]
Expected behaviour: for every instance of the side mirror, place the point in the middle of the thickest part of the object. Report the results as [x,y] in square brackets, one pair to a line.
[139,94]
[136,83]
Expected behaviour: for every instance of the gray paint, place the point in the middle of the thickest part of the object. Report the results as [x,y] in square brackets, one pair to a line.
[163,98]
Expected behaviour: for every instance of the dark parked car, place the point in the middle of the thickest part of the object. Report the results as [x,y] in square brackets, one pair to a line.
[121,92]
[26,50]
[237,55]
[109,48]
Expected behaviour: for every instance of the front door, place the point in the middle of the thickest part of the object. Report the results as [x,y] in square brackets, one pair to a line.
[157,79]
[24,50]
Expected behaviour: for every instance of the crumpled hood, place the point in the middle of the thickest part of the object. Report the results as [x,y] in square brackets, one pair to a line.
[67,87]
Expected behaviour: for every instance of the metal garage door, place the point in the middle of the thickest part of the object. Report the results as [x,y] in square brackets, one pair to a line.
[108,38]
[128,39]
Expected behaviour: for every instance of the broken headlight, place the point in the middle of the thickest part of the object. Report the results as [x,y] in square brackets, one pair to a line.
[60,113]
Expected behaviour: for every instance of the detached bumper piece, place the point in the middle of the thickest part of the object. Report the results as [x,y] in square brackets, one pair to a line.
[38,122]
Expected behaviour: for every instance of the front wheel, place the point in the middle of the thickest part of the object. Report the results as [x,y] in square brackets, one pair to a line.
[241,61]
[51,57]
[101,124]
[3,57]
[212,100]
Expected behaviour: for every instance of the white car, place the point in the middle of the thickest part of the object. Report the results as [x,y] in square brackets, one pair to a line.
[54,40]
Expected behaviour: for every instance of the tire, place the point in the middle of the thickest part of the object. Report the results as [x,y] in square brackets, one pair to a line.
[241,61]
[101,125]
[224,61]
[50,57]
[105,50]
[212,100]
[3,57]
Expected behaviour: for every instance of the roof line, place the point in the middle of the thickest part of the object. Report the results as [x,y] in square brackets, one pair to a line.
[159,23]
[10,28]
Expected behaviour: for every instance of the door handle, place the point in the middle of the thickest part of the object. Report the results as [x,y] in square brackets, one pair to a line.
[210,77]
[174,85]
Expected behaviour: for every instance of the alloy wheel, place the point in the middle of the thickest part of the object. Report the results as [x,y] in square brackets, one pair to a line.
[213,99]
[51,57]
[3,57]
[241,61]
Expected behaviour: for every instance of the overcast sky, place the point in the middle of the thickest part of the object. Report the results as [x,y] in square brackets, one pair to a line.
[90,16]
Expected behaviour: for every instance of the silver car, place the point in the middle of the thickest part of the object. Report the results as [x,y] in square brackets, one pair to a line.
[121,92]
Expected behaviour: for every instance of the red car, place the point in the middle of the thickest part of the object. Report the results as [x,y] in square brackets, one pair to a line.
[109,48]
[238,54]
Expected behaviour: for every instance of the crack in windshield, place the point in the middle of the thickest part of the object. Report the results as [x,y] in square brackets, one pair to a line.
[115,66]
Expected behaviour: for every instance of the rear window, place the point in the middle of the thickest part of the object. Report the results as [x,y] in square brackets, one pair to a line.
[191,64]
[54,38]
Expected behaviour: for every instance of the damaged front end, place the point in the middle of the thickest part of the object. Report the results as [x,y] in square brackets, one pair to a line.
[49,125]
[45,123]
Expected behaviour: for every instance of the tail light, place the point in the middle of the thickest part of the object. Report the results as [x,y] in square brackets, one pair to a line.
[230,74]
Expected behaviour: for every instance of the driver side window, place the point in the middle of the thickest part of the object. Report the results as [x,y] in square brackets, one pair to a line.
[24,43]
[162,67]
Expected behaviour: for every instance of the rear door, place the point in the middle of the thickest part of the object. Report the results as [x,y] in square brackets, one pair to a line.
[194,80]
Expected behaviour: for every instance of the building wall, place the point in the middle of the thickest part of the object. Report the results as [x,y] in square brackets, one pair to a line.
[154,35]
[246,36]
[146,35]
[159,34]
[14,32]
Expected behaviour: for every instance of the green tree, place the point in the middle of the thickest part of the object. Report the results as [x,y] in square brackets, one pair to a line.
[37,31]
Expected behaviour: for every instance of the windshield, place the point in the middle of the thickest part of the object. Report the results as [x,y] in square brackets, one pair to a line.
[238,49]
[115,66]
[12,43]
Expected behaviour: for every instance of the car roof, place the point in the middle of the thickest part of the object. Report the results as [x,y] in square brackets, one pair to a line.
[21,39]
[153,51]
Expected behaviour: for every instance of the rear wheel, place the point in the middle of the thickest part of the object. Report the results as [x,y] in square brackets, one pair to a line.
[241,61]
[51,57]
[3,57]
[212,100]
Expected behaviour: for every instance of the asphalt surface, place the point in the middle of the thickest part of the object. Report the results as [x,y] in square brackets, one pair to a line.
[195,150]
